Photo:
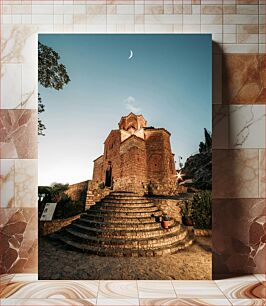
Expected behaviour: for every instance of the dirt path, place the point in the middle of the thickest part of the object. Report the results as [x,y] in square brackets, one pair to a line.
[56,262]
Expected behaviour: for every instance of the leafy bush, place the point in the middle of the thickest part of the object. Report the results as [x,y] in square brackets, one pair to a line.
[201,210]
[101,185]
[185,207]
[67,208]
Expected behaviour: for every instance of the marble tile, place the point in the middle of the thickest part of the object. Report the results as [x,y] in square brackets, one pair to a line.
[51,290]
[196,289]
[25,277]
[5,279]
[248,302]
[262,174]
[7,182]
[11,86]
[17,42]
[118,290]
[243,79]
[260,277]
[156,289]
[247,126]
[48,302]
[216,78]
[117,302]
[242,287]
[240,49]
[235,173]
[183,302]
[18,233]
[26,183]
[220,126]
[29,90]
[18,129]
[238,237]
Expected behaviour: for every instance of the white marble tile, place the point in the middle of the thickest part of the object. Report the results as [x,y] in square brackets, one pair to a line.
[18,44]
[163,19]
[43,9]
[246,126]
[125,9]
[25,277]
[117,302]
[29,90]
[197,289]
[7,183]
[118,290]
[260,277]
[156,289]
[26,183]
[11,86]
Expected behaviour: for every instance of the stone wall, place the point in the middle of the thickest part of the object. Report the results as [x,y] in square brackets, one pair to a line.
[49,227]
[75,191]
[169,206]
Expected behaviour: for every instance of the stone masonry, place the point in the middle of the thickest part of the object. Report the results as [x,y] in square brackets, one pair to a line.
[135,158]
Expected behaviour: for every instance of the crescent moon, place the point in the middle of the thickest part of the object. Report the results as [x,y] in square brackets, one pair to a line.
[131,54]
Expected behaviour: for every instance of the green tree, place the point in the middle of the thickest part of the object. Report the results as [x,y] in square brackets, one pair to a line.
[51,74]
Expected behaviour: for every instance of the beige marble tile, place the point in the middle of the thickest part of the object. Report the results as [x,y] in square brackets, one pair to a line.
[51,290]
[196,289]
[262,175]
[48,302]
[7,180]
[18,230]
[211,9]
[18,133]
[183,302]
[118,290]
[235,173]
[156,289]
[242,287]
[220,127]
[248,302]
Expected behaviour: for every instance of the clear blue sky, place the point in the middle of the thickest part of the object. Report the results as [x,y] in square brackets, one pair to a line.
[168,80]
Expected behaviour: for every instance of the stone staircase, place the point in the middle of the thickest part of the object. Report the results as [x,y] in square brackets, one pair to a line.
[124,224]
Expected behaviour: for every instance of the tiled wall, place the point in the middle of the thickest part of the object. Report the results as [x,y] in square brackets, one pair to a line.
[238,28]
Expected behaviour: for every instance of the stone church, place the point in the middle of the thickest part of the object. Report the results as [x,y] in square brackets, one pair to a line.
[136,158]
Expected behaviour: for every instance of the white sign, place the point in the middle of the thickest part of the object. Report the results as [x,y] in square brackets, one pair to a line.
[48,212]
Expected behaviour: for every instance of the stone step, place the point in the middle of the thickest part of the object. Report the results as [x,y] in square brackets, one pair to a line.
[125,200]
[138,214]
[111,219]
[121,209]
[121,225]
[125,233]
[120,252]
[126,243]
[112,205]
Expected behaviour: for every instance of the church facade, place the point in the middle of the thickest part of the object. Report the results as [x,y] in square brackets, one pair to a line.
[136,158]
